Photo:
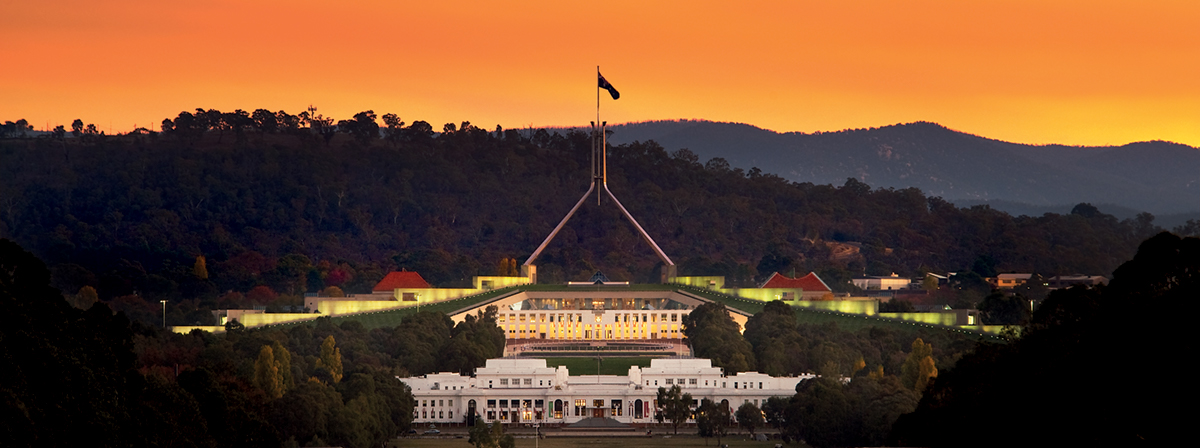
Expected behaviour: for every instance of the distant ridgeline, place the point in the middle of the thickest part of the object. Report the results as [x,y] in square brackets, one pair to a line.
[1157,177]
[256,209]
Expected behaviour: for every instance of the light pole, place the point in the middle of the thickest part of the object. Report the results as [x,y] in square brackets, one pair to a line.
[164,303]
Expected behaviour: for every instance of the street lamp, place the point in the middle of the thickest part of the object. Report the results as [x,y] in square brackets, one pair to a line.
[164,303]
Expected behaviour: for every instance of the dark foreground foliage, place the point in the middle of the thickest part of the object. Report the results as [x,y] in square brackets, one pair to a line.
[1091,368]
[73,377]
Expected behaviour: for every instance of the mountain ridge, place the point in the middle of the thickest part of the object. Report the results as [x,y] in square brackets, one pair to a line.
[1155,176]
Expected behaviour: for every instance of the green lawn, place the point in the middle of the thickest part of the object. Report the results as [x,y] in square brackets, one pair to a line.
[851,322]
[608,366]
[392,318]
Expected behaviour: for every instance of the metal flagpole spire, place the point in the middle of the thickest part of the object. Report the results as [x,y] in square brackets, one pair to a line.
[600,184]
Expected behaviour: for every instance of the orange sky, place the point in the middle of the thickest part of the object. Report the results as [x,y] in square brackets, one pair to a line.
[1075,72]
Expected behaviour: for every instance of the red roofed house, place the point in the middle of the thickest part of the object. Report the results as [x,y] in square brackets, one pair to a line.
[400,280]
[813,288]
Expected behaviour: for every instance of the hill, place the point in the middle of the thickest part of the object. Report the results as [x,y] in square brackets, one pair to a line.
[245,215]
[1157,177]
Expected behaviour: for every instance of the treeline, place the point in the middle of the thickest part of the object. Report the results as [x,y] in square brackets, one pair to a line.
[886,371]
[277,205]
[93,375]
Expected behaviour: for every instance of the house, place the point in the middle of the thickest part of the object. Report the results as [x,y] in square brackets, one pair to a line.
[1010,281]
[811,287]
[882,283]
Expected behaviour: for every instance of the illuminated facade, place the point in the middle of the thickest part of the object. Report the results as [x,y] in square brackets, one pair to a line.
[594,314]
[520,390]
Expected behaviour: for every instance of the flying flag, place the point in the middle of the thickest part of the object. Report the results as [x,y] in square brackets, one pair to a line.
[606,86]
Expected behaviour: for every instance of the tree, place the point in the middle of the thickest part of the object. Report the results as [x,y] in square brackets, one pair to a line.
[85,298]
[915,365]
[283,361]
[749,417]
[712,419]
[266,373]
[674,405]
[331,359]
[332,291]
[394,126]
[362,127]
[999,308]
[200,268]
[77,128]
[480,435]
[775,409]
[820,413]
[714,335]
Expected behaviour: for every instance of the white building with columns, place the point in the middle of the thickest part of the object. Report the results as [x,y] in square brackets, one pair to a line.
[525,390]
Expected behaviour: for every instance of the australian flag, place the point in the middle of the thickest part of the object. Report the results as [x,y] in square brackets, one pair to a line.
[609,87]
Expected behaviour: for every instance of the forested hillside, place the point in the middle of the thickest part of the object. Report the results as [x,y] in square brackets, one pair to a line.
[239,209]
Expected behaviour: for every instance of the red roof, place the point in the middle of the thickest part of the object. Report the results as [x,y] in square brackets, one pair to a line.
[401,280]
[809,283]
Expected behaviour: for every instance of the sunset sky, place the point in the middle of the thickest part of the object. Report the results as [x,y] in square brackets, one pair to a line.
[1075,72]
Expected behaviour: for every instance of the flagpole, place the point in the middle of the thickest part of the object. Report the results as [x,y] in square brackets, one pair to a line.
[598,154]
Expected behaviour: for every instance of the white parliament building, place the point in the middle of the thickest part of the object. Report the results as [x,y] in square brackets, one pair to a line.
[525,390]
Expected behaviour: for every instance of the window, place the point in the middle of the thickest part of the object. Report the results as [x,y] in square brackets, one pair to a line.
[669,381]
[526,403]
[450,403]
[409,297]
[541,317]
[692,381]
[502,318]
[674,318]
[597,403]
[528,381]
[760,387]
[441,414]
[491,403]
[450,414]
[520,318]
[516,382]
[681,381]
[491,415]
[422,403]
[440,402]
[424,414]
[503,381]
[503,403]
